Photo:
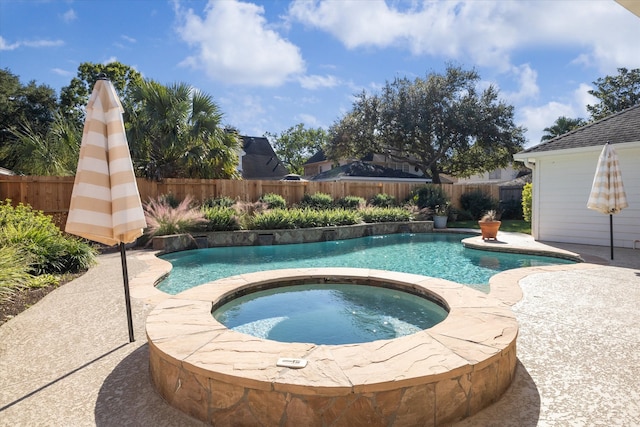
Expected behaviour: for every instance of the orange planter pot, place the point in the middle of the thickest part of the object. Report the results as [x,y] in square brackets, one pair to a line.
[489,229]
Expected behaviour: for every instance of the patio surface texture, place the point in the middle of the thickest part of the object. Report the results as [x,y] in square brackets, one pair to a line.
[67,361]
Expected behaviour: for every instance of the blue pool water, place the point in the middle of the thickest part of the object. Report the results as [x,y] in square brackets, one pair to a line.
[329,314]
[430,254]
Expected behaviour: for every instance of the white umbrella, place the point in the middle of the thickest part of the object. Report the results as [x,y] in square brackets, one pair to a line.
[607,192]
[105,203]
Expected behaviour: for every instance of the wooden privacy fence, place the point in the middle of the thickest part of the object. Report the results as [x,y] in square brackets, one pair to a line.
[52,194]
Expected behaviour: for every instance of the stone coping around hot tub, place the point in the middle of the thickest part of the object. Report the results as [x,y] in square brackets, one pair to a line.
[479,332]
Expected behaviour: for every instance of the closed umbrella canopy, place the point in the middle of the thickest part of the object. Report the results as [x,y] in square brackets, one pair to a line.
[607,191]
[105,202]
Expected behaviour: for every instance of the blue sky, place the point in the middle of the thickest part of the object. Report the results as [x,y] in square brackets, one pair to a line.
[272,64]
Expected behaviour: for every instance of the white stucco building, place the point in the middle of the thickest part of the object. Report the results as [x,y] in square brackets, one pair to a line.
[563,171]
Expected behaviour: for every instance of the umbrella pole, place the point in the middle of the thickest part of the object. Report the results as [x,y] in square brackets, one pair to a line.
[125,277]
[611,233]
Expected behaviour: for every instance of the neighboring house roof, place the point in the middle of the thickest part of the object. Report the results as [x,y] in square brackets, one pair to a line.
[362,169]
[321,157]
[517,182]
[259,160]
[617,128]
[318,157]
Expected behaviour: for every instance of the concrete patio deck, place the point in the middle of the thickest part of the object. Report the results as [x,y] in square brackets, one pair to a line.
[66,361]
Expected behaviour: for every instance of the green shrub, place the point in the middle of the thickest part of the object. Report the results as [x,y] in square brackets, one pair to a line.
[428,196]
[383,201]
[246,211]
[511,209]
[220,218]
[218,202]
[274,201]
[44,280]
[304,218]
[477,203]
[163,219]
[463,215]
[351,202]
[276,219]
[317,201]
[527,201]
[337,217]
[378,214]
[37,237]
[76,256]
[14,271]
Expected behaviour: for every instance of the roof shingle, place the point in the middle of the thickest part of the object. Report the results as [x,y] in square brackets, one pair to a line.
[260,161]
[617,128]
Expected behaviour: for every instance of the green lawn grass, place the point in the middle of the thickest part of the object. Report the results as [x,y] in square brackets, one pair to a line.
[518,226]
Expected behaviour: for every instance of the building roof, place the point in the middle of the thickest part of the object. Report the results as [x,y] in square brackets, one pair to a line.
[366,170]
[617,128]
[318,157]
[260,161]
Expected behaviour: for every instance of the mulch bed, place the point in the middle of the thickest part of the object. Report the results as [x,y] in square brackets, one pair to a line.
[25,298]
[20,301]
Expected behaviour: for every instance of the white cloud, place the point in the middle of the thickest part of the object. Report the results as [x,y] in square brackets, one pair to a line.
[43,43]
[235,44]
[4,45]
[310,121]
[128,39]
[315,81]
[69,16]
[61,72]
[486,33]
[436,28]
[535,119]
[352,23]
[245,108]
[584,98]
[310,100]
[527,84]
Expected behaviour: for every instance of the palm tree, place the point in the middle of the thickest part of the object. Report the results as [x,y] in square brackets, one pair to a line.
[175,131]
[54,153]
[561,126]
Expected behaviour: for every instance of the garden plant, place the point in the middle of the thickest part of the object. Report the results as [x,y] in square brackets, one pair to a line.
[34,253]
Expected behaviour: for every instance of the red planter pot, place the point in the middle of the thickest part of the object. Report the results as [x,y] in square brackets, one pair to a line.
[489,229]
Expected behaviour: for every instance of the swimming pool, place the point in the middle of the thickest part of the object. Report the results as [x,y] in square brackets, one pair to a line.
[430,254]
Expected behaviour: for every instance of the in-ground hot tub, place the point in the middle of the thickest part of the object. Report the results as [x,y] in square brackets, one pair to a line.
[329,313]
[435,376]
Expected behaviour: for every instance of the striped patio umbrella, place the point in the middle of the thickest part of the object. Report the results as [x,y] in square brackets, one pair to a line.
[105,203]
[607,191]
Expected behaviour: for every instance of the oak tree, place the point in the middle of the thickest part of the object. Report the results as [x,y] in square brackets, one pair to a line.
[297,144]
[442,123]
